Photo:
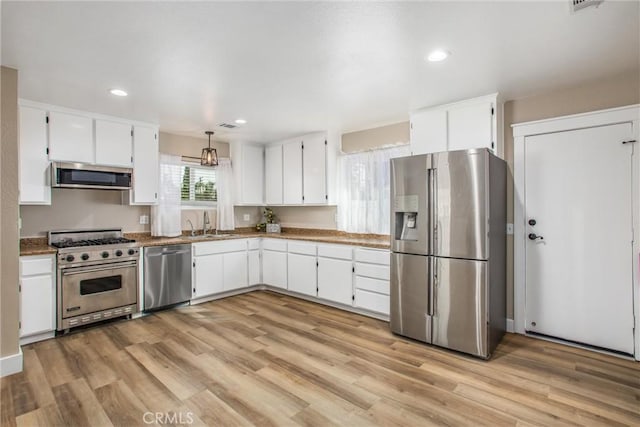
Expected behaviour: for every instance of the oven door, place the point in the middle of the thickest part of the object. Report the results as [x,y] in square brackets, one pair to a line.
[98,287]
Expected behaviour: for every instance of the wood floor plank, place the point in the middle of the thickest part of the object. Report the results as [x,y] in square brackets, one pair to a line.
[121,405]
[78,405]
[268,359]
[47,415]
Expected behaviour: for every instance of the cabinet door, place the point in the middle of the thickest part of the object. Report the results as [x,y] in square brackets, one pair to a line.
[273,175]
[235,270]
[301,274]
[292,173]
[36,305]
[335,280]
[428,131]
[208,275]
[471,126]
[113,143]
[274,268]
[71,138]
[145,166]
[314,167]
[254,268]
[35,186]
[252,178]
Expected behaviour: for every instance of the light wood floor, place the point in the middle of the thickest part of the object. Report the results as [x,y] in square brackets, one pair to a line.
[266,359]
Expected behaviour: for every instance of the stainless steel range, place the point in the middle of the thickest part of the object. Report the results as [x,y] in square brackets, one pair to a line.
[97,276]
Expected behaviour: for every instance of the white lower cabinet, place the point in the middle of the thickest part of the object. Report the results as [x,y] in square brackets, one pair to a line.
[301,273]
[274,262]
[235,270]
[255,273]
[207,275]
[351,276]
[335,275]
[274,268]
[219,266]
[37,297]
[371,281]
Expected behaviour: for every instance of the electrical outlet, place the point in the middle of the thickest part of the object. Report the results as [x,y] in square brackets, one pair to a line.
[144,219]
[510,229]
[246,217]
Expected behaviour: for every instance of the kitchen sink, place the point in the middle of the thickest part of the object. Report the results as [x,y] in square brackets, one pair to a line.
[210,236]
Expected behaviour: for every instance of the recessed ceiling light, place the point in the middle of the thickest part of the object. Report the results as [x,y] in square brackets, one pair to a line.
[241,121]
[438,55]
[118,92]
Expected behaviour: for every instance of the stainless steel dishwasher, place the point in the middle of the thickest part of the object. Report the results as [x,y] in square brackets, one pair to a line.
[167,276]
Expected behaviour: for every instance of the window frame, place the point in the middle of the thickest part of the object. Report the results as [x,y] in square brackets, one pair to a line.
[191,203]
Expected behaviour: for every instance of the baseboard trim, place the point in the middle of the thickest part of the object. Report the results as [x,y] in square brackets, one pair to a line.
[510,326]
[12,364]
[37,337]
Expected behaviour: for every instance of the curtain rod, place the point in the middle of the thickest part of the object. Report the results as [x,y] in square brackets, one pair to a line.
[381,147]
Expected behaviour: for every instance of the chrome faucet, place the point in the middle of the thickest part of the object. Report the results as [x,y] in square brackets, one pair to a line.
[193,230]
[205,221]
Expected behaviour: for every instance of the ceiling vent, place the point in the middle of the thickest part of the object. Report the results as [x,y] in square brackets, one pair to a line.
[577,5]
[227,125]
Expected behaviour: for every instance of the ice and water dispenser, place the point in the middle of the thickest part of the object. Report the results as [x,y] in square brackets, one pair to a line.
[406,212]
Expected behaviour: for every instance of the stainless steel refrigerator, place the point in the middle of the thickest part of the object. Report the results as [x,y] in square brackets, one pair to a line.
[448,261]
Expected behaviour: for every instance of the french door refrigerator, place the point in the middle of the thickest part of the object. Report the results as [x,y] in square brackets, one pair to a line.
[448,260]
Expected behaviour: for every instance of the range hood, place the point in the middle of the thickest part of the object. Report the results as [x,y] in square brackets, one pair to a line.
[82,175]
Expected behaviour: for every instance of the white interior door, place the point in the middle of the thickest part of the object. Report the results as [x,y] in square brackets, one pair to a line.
[578,190]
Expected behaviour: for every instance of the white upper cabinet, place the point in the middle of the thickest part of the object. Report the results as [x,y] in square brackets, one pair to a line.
[145,166]
[292,172]
[301,170]
[273,175]
[473,123]
[314,167]
[71,137]
[113,143]
[471,126]
[35,180]
[428,131]
[248,171]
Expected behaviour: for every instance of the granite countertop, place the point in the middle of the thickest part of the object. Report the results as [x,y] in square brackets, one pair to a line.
[376,241]
[39,246]
[36,246]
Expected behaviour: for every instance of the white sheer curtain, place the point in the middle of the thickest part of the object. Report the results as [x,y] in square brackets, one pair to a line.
[364,191]
[224,183]
[165,216]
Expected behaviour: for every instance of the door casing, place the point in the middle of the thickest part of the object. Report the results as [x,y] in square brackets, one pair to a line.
[630,114]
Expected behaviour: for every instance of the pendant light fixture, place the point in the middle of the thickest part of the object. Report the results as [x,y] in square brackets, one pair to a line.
[209,155]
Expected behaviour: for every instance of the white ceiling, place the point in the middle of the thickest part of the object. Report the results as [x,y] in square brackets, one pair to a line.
[295,67]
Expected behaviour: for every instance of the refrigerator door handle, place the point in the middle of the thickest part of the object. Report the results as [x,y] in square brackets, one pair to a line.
[432,284]
[433,201]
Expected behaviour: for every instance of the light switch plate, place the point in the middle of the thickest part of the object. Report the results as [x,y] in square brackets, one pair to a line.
[510,229]
[246,217]
[144,219]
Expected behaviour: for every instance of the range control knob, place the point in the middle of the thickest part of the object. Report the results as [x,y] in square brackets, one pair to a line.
[70,258]
[85,257]
[105,254]
[132,252]
[118,252]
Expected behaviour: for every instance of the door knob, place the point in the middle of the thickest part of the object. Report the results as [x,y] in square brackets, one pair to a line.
[533,236]
[532,222]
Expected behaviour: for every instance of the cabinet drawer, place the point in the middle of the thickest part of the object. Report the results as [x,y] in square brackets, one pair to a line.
[302,248]
[254,244]
[208,248]
[274,245]
[372,285]
[335,251]
[34,266]
[373,270]
[372,301]
[372,256]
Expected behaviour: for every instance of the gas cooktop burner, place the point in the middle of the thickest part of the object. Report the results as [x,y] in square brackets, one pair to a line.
[91,242]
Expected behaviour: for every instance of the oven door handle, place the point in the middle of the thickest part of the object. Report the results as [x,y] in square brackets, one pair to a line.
[82,270]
